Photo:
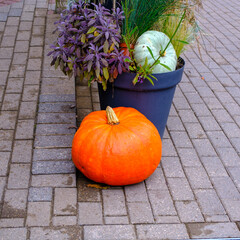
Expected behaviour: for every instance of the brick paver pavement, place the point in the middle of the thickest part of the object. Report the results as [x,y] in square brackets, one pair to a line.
[194,193]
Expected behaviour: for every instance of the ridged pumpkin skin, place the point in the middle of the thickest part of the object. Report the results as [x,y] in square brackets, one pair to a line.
[121,154]
[156,41]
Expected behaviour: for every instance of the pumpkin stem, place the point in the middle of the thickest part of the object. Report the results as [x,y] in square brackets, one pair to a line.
[111,116]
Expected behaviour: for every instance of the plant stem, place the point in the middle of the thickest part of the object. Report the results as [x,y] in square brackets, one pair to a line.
[111,116]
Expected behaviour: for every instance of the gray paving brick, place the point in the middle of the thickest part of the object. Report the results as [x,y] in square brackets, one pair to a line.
[25,129]
[168,163]
[57,107]
[224,97]
[6,145]
[200,110]
[38,214]
[161,203]
[64,220]
[214,167]
[168,149]
[136,193]
[19,176]
[5,64]
[53,141]
[222,116]
[22,151]
[236,143]
[17,71]
[188,157]
[3,17]
[32,77]
[15,12]
[11,102]
[116,220]
[57,98]
[140,212]
[167,219]
[114,202]
[180,189]
[13,21]
[57,118]
[193,97]
[13,233]
[204,147]
[62,233]
[4,159]
[36,41]
[235,175]
[52,154]
[27,110]
[14,85]
[24,35]
[43,194]
[21,46]
[38,30]
[232,208]
[90,213]
[213,103]
[226,188]
[6,134]
[30,93]
[121,232]
[198,177]
[27,16]
[6,53]
[174,124]
[189,211]
[20,58]
[53,167]
[85,193]
[7,41]
[15,203]
[54,180]
[35,52]
[25,26]
[11,222]
[213,230]
[187,116]
[229,157]
[209,124]
[181,139]
[165,231]
[231,130]
[2,185]
[181,103]
[3,77]
[65,201]
[156,180]
[217,218]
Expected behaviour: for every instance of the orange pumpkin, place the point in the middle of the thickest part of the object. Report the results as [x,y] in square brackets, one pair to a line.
[117,147]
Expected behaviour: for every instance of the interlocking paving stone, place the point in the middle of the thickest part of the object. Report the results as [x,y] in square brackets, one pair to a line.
[168,163]
[167,219]
[136,193]
[161,202]
[60,233]
[11,222]
[4,160]
[180,189]
[27,110]
[52,167]
[121,232]
[57,118]
[65,201]
[229,157]
[116,220]
[209,202]
[64,220]
[55,129]
[188,157]
[156,180]
[38,214]
[15,202]
[90,213]
[22,151]
[211,230]
[2,185]
[204,147]
[163,231]
[53,141]
[52,154]
[140,212]
[11,102]
[198,177]
[114,202]
[43,194]
[15,85]
[25,129]
[57,98]
[54,180]
[168,149]
[32,77]
[13,233]
[189,211]
[19,176]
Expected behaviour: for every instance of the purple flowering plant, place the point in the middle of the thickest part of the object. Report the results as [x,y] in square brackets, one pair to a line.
[88,41]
